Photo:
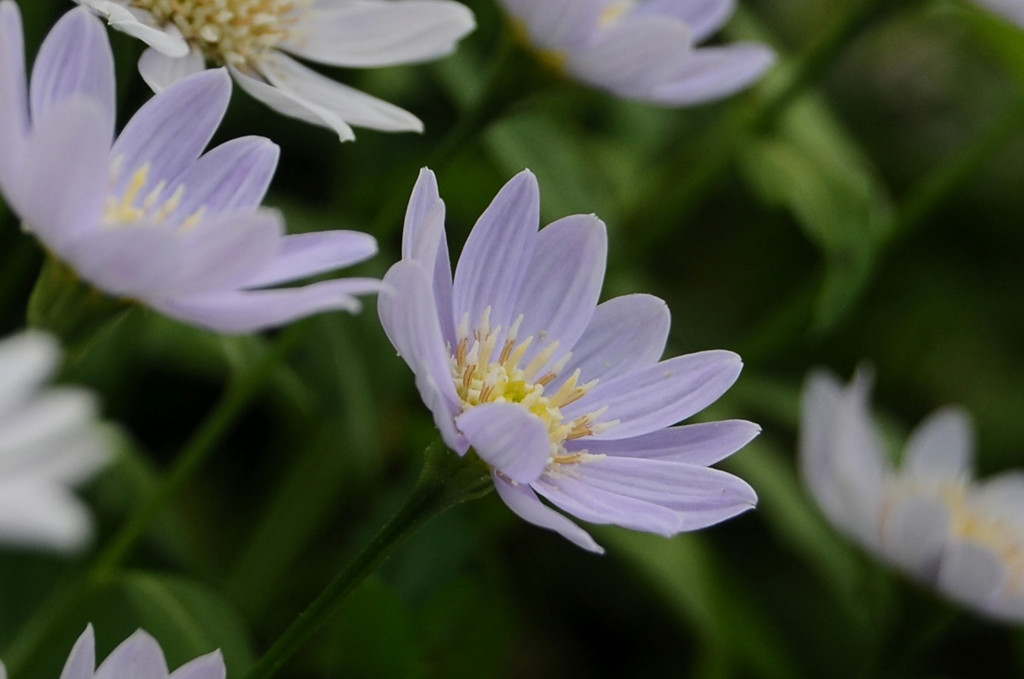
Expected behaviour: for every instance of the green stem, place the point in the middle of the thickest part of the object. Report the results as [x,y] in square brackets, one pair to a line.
[37,635]
[446,480]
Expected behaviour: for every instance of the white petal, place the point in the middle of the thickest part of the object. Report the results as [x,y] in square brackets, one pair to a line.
[160,71]
[970,573]
[41,513]
[940,448]
[914,531]
[704,17]
[140,24]
[26,360]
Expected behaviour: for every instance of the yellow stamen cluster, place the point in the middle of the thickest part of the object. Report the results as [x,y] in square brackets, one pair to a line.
[615,11]
[232,32]
[152,208]
[486,373]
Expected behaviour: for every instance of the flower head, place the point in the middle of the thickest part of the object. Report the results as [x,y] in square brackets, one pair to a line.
[253,39]
[561,396]
[927,517]
[146,217]
[49,441]
[137,656]
[642,49]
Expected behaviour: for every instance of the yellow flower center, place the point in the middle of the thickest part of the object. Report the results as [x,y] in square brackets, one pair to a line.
[232,32]
[485,373]
[137,204]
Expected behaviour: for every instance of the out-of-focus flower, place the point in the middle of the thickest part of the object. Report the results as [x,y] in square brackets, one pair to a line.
[253,38]
[562,397]
[49,441]
[642,49]
[927,518]
[137,657]
[1011,9]
[146,217]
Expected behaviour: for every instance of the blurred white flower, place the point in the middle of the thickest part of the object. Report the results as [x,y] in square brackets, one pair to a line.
[1011,9]
[254,38]
[49,441]
[927,518]
[643,49]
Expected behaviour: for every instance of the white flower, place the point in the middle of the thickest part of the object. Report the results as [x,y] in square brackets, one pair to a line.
[927,518]
[1011,9]
[254,39]
[49,441]
[643,49]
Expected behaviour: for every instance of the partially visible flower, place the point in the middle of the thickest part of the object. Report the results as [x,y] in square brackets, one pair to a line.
[642,49]
[49,441]
[927,517]
[253,38]
[559,395]
[146,217]
[137,657]
[1011,9]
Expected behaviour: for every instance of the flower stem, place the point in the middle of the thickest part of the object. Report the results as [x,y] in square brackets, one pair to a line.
[446,480]
[67,600]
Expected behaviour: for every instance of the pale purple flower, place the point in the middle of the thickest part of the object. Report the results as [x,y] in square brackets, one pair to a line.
[137,657]
[1011,9]
[642,49]
[926,516]
[49,442]
[254,39]
[145,217]
[563,397]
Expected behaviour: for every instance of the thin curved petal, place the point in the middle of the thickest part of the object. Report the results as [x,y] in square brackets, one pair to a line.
[941,447]
[307,254]
[81,662]
[139,657]
[624,334]
[26,360]
[14,120]
[602,507]
[232,176]
[555,24]
[508,437]
[292,105]
[24,434]
[704,17]
[74,60]
[41,513]
[170,130]
[248,311]
[558,298]
[713,73]
[424,240]
[698,444]
[354,107]
[913,534]
[209,666]
[494,261]
[367,33]
[524,502]
[660,395]
[970,573]
[160,71]
[140,24]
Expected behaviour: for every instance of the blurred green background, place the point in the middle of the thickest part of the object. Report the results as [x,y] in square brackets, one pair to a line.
[862,203]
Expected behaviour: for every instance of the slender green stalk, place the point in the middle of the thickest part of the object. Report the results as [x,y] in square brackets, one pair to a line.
[69,599]
[446,480]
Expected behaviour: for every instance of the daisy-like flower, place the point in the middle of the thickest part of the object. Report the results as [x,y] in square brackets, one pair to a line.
[642,49]
[253,39]
[137,657]
[926,518]
[146,217]
[561,396]
[49,441]
[1011,9]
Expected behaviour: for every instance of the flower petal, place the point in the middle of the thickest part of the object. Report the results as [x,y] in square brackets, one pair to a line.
[713,73]
[913,534]
[75,60]
[307,254]
[232,176]
[704,17]
[366,33]
[624,334]
[508,437]
[246,311]
[524,502]
[139,657]
[81,662]
[659,395]
[292,105]
[172,129]
[14,120]
[160,71]
[38,512]
[494,261]
[209,666]
[140,24]
[424,240]
[558,297]
[354,107]
[27,431]
[410,320]
[136,262]
[602,507]
[555,24]
[26,360]
[941,447]
[970,573]
[699,444]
